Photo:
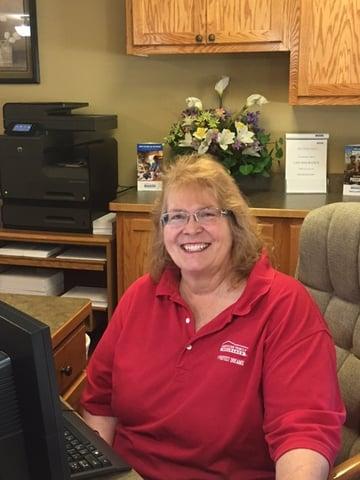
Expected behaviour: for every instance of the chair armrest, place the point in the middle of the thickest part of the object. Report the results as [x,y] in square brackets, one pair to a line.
[348,470]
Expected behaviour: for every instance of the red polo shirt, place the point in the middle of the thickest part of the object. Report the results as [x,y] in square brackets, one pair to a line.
[224,402]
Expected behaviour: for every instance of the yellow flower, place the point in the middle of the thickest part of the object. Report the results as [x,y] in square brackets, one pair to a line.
[200,133]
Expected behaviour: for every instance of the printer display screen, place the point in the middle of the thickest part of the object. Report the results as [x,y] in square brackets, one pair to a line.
[22,127]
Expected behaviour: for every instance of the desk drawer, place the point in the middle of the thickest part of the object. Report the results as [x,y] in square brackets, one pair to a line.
[70,359]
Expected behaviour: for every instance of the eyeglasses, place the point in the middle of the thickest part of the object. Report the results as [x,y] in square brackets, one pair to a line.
[204,216]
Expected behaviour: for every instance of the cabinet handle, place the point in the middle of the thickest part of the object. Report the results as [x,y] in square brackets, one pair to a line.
[199,38]
[211,37]
[67,370]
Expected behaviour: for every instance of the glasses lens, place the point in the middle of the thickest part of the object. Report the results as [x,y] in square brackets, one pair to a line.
[208,215]
[177,218]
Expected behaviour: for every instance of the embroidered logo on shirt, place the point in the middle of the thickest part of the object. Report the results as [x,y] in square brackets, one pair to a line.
[233,353]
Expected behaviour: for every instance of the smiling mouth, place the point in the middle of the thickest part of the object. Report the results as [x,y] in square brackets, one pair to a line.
[194,247]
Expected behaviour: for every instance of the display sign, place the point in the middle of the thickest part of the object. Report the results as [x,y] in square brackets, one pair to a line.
[306,162]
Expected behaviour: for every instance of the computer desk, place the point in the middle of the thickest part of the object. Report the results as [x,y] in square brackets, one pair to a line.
[132,475]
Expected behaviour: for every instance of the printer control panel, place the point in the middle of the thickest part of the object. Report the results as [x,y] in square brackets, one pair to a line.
[23,129]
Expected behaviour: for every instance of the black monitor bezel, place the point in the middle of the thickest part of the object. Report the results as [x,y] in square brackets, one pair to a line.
[27,342]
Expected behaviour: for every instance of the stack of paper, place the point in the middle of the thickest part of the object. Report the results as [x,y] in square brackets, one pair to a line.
[25,249]
[104,225]
[97,295]
[32,281]
[83,253]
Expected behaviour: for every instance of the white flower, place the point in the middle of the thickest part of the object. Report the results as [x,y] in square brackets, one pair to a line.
[187,141]
[205,144]
[252,151]
[255,99]
[203,147]
[193,102]
[187,121]
[244,135]
[222,85]
[225,138]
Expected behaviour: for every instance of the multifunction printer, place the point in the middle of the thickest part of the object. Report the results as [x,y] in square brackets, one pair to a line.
[58,170]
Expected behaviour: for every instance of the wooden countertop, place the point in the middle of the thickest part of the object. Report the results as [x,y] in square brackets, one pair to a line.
[62,314]
[273,203]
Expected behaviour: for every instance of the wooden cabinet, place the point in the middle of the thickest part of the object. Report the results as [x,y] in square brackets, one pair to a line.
[134,230]
[67,319]
[206,26]
[325,53]
[281,237]
[77,271]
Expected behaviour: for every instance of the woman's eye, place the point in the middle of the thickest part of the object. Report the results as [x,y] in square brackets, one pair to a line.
[175,217]
[207,214]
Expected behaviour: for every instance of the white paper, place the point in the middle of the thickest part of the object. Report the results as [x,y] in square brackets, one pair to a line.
[83,253]
[306,163]
[97,295]
[39,250]
[31,280]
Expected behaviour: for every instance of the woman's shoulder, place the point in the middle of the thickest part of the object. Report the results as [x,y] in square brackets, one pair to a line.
[142,284]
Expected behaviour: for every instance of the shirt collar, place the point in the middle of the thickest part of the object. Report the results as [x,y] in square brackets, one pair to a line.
[258,284]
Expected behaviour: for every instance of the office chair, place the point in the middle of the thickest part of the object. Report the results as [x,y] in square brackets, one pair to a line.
[329,266]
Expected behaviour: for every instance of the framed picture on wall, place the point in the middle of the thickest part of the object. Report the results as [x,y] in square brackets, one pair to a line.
[19,59]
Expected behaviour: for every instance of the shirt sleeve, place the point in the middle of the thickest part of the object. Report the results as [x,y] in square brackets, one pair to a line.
[97,395]
[303,406]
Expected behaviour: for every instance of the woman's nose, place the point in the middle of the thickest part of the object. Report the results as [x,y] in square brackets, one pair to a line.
[192,225]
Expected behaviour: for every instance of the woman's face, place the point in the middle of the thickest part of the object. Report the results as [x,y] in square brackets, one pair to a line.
[197,248]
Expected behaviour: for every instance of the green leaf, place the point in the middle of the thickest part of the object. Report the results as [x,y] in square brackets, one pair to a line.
[246,169]
[279,152]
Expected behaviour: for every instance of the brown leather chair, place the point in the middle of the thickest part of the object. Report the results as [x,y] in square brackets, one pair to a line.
[329,266]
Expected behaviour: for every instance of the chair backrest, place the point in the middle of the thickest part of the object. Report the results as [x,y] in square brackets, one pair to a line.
[329,266]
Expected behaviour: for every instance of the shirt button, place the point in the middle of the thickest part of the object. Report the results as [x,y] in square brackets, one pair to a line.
[187,320]
[189,347]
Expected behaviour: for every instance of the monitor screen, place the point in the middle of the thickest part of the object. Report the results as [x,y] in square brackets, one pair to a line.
[26,347]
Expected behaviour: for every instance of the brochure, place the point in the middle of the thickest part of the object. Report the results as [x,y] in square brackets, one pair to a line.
[149,160]
[352,170]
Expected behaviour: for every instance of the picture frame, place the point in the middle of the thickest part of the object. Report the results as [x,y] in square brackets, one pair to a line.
[19,58]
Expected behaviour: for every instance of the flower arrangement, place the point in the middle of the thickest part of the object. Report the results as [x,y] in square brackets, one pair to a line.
[234,138]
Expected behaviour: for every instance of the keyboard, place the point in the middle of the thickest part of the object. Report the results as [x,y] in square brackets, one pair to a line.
[88,455]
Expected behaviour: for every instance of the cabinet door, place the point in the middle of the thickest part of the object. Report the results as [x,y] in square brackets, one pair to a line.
[325,56]
[238,21]
[156,22]
[136,234]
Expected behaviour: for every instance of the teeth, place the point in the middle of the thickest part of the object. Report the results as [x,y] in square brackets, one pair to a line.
[194,247]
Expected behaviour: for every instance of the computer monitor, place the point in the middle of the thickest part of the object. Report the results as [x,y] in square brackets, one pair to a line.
[31,426]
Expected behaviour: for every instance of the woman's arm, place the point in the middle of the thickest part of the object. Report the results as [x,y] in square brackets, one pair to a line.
[302,464]
[105,426]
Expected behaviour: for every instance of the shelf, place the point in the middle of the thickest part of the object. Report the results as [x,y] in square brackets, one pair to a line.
[53,262]
[96,272]
[54,237]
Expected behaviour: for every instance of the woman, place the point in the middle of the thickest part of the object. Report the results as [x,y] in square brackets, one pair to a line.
[215,366]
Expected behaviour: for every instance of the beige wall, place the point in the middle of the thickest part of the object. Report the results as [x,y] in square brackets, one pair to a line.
[82,58]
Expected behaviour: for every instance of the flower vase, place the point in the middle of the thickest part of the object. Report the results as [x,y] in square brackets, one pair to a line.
[253,183]
[6,54]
